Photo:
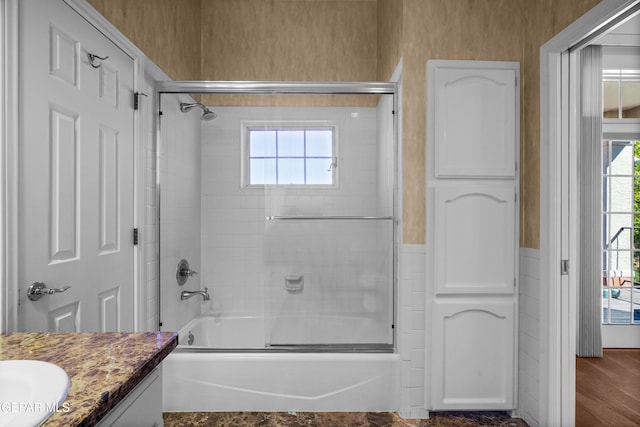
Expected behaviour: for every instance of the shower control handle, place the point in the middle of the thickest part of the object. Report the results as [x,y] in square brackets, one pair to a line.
[188,272]
[183,272]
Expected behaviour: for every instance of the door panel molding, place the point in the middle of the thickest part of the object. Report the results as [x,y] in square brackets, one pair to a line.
[64,226]
[65,318]
[64,57]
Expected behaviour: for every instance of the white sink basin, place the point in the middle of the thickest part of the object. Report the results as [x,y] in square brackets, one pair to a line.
[30,391]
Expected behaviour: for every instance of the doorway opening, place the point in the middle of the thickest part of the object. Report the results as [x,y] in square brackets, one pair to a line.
[558,198]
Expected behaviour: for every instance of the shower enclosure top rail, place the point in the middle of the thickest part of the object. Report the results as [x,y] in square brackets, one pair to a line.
[271,88]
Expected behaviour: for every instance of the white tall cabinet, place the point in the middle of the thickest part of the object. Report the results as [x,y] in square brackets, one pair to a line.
[472,235]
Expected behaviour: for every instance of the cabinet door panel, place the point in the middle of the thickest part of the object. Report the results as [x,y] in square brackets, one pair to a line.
[475,238]
[477,124]
[473,358]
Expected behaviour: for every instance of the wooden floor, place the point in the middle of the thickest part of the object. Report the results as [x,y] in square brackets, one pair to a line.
[608,389]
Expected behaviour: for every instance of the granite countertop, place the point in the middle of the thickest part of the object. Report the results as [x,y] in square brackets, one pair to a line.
[103,367]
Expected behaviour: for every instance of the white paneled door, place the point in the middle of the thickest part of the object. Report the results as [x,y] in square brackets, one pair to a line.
[76,174]
[472,234]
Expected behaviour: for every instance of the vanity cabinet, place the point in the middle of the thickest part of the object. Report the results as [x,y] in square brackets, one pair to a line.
[472,235]
[142,406]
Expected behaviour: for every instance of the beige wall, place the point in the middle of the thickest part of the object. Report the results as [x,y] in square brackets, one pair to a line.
[445,29]
[289,40]
[359,40]
[167,31]
[544,19]
[389,37]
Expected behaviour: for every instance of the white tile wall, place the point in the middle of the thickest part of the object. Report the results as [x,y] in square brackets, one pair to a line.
[180,200]
[529,351]
[411,330]
[242,252]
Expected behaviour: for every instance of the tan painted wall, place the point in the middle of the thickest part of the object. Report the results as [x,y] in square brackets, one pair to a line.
[289,40]
[544,19]
[445,29]
[167,31]
[358,40]
[389,37]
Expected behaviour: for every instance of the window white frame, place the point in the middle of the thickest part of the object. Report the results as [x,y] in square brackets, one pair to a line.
[284,125]
[620,63]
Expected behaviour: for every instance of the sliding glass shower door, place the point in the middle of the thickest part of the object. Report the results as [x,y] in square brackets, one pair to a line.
[296,202]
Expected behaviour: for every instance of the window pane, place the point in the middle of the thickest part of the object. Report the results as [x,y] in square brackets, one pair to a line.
[290,171]
[319,171]
[610,100]
[630,100]
[262,143]
[618,310]
[622,158]
[290,143]
[262,171]
[621,194]
[619,233]
[319,143]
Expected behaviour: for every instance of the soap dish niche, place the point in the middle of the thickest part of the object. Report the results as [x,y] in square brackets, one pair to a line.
[293,283]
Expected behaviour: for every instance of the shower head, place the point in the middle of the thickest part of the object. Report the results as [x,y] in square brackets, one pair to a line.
[207,114]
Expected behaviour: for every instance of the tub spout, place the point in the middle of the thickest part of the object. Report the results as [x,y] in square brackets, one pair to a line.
[188,294]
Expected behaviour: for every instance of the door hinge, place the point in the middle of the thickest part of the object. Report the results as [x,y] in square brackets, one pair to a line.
[564,267]
[135,236]
[136,99]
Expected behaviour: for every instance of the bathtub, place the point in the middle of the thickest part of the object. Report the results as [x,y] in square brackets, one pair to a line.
[198,380]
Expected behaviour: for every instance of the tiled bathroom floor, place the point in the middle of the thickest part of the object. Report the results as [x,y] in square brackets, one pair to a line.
[336,419]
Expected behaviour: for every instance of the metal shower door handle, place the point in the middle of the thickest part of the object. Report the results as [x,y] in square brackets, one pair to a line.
[38,289]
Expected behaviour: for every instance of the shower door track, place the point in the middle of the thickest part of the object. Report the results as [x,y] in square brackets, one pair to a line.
[306,348]
[334,218]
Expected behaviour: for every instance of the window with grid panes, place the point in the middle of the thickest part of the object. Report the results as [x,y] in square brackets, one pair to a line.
[286,155]
[621,229]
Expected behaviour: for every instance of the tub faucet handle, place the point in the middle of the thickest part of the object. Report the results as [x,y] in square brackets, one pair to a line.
[188,272]
[183,272]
